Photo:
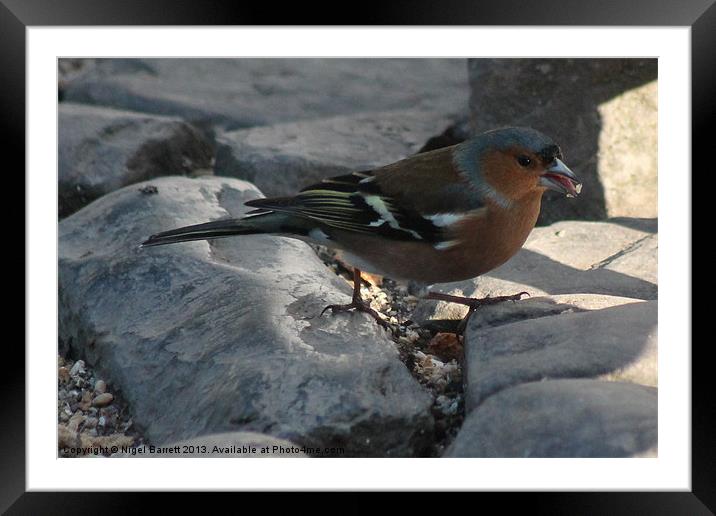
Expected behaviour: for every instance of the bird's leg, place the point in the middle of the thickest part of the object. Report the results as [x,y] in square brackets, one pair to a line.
[357,303]
[472,303]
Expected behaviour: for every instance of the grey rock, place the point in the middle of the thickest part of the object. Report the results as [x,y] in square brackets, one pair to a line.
[229,444]
[77,368]
[628,158]
[282,158]
[562,418]
[101,150]
[602,112]
[102,400]
[566,258]
[639,260]
[617,344]
[235,93]
[226,336]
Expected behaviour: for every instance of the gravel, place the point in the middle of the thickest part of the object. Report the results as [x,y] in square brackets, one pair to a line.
[91,421]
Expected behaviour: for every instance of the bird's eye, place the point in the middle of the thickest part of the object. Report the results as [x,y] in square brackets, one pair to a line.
[524,161]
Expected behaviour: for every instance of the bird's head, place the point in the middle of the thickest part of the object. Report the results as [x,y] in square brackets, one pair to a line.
[515,161]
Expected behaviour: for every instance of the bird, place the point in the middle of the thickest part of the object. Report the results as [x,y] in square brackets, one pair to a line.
[445,215]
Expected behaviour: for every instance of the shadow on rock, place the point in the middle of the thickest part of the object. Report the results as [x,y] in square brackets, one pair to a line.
[557,278]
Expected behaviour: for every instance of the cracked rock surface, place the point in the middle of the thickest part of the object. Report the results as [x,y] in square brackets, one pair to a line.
[225,336]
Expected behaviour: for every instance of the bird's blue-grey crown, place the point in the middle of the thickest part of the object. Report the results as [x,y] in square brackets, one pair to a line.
[467,157]
[526,137]
[467,153]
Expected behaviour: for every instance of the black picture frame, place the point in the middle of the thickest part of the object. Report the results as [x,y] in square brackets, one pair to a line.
[17,15]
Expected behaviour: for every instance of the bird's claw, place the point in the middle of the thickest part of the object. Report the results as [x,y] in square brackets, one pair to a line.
[358,306]
[478,303]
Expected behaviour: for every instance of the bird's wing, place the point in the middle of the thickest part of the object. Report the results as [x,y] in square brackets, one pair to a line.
[430,183]
[382,202]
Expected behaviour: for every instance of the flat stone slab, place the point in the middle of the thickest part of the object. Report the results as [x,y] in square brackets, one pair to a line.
[235,93]
[101,150]
[283,158]
[617,343]
[203,338]
[562,418]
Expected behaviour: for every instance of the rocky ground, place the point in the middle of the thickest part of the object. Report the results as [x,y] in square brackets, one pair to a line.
[217,348]
[91,419]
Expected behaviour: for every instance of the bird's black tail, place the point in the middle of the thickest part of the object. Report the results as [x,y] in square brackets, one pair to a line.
[215,229]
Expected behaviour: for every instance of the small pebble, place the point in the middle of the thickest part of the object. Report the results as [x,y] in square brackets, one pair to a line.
[149,190]
[85,409]
[77,368]
[63,374]
[75,421]
[412,335]
[86,400]
[103,400]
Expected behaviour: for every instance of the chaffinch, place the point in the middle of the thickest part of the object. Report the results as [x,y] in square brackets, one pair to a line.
[446,215]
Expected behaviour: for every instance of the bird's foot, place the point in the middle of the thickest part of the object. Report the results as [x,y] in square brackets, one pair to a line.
[473,304]
[359,306]
[477,303]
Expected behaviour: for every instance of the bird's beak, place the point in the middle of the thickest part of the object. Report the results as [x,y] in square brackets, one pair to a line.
[559,178]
